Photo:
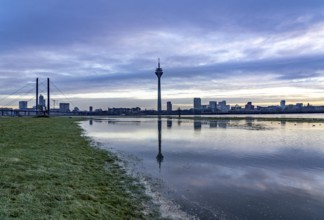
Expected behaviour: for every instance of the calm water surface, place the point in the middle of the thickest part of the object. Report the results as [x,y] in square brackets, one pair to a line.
[223,169]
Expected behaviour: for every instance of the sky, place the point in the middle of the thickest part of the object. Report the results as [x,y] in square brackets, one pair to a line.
[104,53]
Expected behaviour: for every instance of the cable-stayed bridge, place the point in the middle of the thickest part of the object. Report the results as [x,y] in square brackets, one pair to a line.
[42,98]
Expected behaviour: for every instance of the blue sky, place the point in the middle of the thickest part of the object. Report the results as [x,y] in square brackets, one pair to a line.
[104,53]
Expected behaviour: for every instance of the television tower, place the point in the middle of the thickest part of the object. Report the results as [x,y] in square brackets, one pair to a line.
[159,73]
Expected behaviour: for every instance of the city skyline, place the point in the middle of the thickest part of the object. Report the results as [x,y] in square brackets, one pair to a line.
[104,53]
[197,104]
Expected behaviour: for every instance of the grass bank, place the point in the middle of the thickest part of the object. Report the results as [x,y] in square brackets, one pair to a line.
[48,171]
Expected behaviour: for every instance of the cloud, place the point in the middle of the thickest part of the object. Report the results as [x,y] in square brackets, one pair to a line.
[109,47]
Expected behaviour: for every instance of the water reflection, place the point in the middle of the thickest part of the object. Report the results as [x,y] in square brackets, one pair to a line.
[213,124]
[197,124]
[169,123]
[179,122]
[250,170]
[159,157]
[223,123]
[249,122]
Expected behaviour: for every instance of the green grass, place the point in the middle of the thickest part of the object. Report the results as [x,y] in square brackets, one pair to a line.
[48,171]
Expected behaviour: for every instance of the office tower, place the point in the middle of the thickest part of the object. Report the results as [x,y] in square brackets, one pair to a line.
[41,103]
[197,104]
[169,107]
[64,107]
[213,106]
[249,106]
[283,104]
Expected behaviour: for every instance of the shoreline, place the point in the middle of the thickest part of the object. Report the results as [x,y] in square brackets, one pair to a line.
[281,119]
[223,118]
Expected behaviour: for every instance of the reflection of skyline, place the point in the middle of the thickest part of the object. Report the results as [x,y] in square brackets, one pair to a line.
[223,123]
[159,157]
[197,124]
[169,123]
[213,124]
[228,170]
[242,178]
[201,123]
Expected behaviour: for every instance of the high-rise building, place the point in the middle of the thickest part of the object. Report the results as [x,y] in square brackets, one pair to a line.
[283,104]
[159,73]
[23,104]
[41,103]
[249,106]
[169,107]
[64,107]
[223,107]
[197,104]
[213,106]
[90,108]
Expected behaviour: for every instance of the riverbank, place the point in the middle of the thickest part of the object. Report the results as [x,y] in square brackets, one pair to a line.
[50,171]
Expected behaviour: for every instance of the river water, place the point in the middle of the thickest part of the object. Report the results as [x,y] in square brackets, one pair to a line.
[223,169]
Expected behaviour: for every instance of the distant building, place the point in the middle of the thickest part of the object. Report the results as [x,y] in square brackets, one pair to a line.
[197,105]
[213,106]
[223,107]
[23,105]
[299,105]
[283,104]
[124,111]
[90,109]
[204,108]
[169,107]
[64,107]
[236,108]
[76,109]
[249,106]
[41,102]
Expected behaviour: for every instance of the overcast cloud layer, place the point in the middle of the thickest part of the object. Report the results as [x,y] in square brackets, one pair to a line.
[104,53]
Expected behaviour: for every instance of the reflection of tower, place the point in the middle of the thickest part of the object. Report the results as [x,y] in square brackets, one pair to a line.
[159,157]
[159,73]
